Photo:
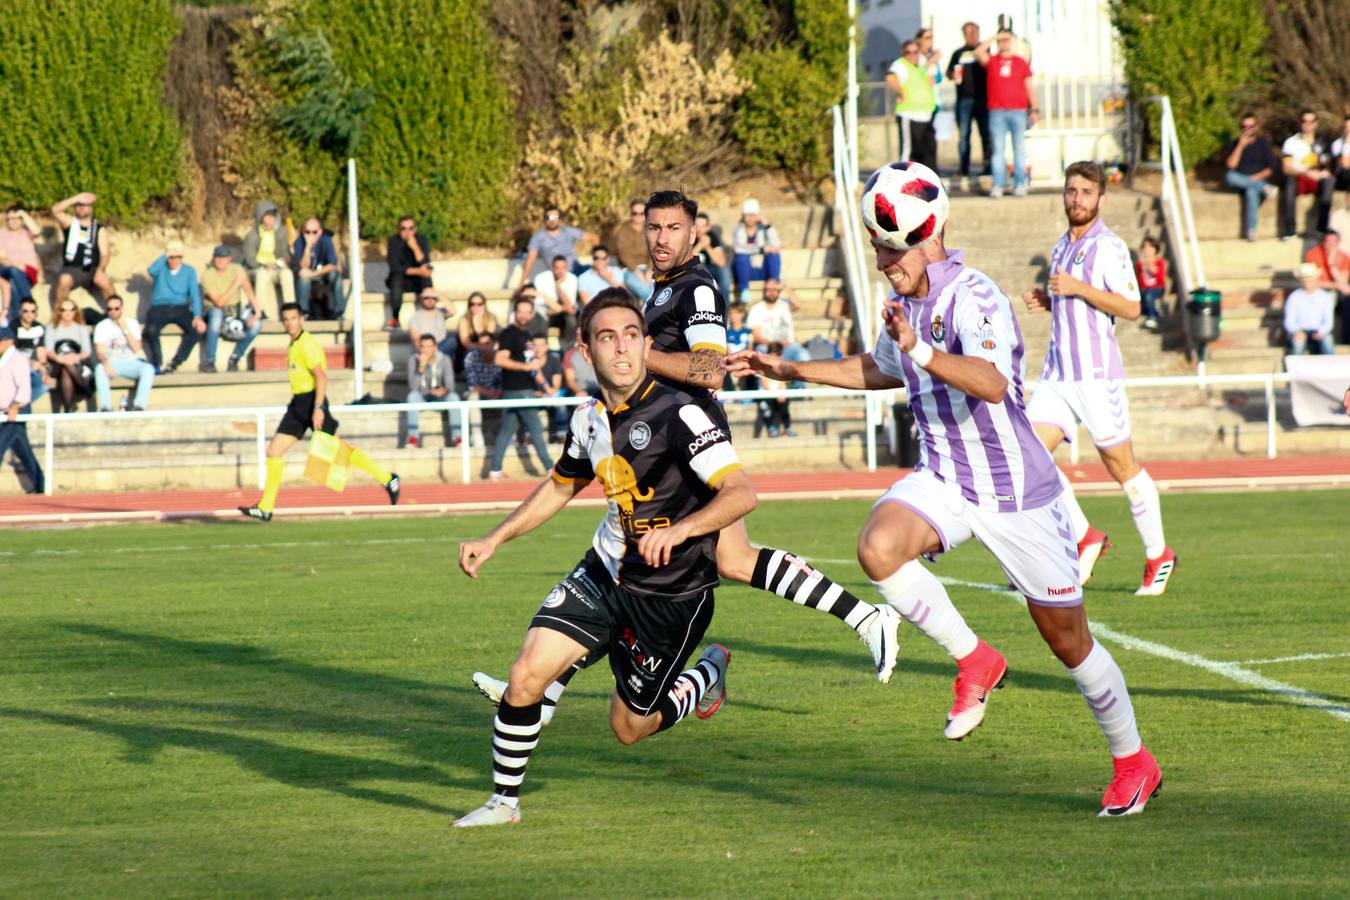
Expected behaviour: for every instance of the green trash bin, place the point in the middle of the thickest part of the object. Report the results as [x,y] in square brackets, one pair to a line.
[1204,315]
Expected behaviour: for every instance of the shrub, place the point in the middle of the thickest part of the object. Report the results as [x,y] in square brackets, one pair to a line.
[81,93]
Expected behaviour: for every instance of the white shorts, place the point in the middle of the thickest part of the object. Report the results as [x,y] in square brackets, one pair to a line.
[1100,405]
[1035,547]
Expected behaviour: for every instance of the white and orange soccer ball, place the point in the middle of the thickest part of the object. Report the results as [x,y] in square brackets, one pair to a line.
[904,205]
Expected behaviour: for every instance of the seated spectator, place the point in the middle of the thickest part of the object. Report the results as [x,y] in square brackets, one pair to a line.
[1304,162]
[1251,164]
[68,352]
[738,338]
[176,299]
[601,275]
[316,260]
[578,375]
[85,252]
[1333,264]
[117,343]
[430,319]
[431,377]
[550,380]
[1151,270]
[756,250]
[19,265]
[770,321]
[472,325]
[629,237]
[483,381]
[267,257]
[1307,315]
[709,250]
[409,257]
[843,330]
[229,294]
[539,321]
[30,341]
[554,239]
[1340,161]
[557,288]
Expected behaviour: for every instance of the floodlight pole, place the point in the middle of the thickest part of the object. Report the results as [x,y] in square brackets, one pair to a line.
[358,282]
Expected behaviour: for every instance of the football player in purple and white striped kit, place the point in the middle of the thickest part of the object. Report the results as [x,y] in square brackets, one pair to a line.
[951,340]
[1091,283]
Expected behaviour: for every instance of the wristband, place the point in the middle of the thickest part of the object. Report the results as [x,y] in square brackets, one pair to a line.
[922,354]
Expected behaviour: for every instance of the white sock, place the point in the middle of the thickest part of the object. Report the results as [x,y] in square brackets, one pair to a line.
[923,601]
[1147,511]
[1103,687]
[1080,522]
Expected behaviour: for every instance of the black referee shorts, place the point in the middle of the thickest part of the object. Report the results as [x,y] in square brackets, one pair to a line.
[299,417]
[648,639]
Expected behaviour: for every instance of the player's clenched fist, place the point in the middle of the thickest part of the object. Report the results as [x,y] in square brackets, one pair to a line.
[655,545]
[897,326]
[473,554]
[1036,300]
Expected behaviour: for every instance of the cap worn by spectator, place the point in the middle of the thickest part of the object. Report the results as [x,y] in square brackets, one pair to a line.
[750,207]
[221,250]
[173,248]
[1309,270]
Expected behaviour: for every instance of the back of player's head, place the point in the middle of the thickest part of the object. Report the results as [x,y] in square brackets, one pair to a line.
[610,298]
[1088,171]
[672,199]
[294,306]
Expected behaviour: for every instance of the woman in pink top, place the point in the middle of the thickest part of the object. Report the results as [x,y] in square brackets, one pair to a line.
[19,269]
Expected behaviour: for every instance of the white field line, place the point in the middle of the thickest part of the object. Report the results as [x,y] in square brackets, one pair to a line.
[1283,659]
[1229,670]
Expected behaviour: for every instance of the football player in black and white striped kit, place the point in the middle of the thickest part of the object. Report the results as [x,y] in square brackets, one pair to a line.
[643,593]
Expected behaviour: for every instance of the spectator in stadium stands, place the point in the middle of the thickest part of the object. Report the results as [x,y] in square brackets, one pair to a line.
[709,250]
[431,377]
[30,334]
[1306,167]
[971,106]
[550,381]
[409,257]
[915,104]
[843,330]
[84,249]
[229,294]
[1340,219]
[117,344]
[483,381]
[538,321]
[554,239]
[68,352]
[15,395]
[267,257]
[1340,160]
[557,288]
[629,239]
[578,374]
[19,265]
[430,319]
[516,358]
[1151,271]
[770,321]
[601,274]
[756,250]
[1333,266]
[472,325]
[1308,315]
[316,259]
[1251,163]
[1010,97]
[175,299]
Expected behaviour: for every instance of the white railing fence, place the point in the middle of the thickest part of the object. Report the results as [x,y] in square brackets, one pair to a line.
[875,405]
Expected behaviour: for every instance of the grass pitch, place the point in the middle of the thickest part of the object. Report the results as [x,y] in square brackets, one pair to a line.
[286,710]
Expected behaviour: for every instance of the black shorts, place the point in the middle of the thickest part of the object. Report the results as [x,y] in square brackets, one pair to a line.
[648,639]
[83,278]
[299,417]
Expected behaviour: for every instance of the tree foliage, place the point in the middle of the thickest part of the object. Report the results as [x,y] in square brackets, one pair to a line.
[1306,48]
[81,96]
[1207,55]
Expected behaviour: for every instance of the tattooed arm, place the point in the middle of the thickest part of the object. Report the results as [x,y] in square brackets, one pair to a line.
[701,368]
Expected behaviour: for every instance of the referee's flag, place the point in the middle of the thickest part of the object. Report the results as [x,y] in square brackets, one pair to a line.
[328,461]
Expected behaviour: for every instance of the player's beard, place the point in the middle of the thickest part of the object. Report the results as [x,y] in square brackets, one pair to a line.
[1081,215]
[678,257]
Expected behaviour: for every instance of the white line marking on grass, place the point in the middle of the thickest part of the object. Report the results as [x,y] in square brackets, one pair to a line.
[1231,671]
[1283,659]
[183,548]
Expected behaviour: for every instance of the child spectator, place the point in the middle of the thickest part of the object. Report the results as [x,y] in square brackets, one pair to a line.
[1151,270]
[738,339]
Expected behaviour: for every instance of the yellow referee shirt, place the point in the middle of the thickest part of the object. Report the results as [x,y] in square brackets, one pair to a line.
[302,359]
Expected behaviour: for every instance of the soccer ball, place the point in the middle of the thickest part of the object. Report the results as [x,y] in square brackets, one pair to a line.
[233,329]
[904,205]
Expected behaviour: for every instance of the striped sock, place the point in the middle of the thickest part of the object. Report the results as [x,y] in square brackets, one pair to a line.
[792,578]
[276,465]
[515,734]
[369,466]
[684,694]
[1103,687]
[553,692]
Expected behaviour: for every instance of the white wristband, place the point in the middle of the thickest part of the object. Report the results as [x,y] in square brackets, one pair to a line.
[922,354]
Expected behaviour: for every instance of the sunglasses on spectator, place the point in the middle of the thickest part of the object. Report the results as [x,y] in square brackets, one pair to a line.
[600,257]
[475,302]
[311,231]
[67,309]
[117,308]
[1309,120]
[552,218]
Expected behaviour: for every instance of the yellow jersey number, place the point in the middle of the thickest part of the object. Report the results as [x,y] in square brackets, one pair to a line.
[642,526]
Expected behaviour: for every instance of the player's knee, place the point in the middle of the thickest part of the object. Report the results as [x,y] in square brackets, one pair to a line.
[879,554]
[64,281]
[628,729]
[526,685]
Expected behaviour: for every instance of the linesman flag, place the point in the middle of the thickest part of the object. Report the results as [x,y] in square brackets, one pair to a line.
[328,461]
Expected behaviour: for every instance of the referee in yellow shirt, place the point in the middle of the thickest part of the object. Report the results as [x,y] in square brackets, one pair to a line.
[308,409]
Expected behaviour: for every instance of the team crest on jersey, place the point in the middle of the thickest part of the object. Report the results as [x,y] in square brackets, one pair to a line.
[939,330]
[555,598]
[662,297]
[640,435]
[1078,260]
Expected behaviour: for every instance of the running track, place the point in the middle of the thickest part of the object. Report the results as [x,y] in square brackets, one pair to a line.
[1089,478]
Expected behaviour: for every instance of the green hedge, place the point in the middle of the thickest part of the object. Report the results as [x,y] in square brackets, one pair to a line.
[81,98]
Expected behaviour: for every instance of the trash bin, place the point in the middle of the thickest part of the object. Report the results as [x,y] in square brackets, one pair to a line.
[906,441]
[1204,315]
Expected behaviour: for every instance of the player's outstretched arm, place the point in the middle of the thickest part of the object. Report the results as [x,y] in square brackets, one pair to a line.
[735,499]
[544,502]
[856,373]
[699,368]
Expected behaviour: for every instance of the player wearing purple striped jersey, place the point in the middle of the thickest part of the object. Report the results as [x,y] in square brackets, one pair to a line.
[951,341]
[1091,283]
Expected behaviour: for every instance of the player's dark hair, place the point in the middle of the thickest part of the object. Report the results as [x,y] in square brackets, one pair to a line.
[672,199]
[1089,171]
[608,299]
[286,306]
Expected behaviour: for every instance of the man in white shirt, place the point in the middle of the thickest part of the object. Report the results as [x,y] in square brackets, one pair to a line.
[1340,159]
[1308,314]
[1303,158]
[117,343]
[770,320]
[557,289]
[601,275]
